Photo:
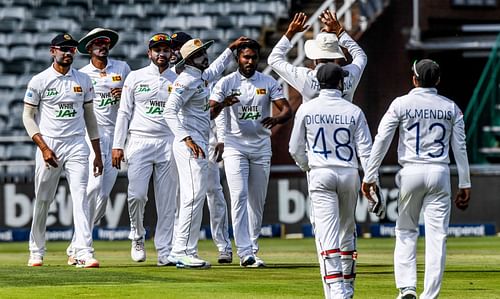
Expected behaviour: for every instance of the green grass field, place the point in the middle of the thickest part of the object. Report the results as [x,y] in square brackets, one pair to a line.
[472,271]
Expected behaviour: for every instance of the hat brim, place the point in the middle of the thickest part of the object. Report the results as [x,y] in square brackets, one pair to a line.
[314,52]
[84,41]
[203,47]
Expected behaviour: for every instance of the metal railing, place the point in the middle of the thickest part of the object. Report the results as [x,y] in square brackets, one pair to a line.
[481,110]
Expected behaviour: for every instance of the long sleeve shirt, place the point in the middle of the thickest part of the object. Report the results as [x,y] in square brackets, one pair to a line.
[428,123]
[304,79]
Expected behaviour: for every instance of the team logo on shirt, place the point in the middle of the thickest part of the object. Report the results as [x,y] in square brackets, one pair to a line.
[116,78]
[261,91]
[143,88]
[66,110]
[249,112]
[169,88]
[107,99]
[235,92]
[155,107]
[77,89]
[51,92]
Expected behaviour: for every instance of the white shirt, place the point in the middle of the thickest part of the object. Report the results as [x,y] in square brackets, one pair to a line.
[304,79]
[243,128]
[112,76]
[60,100]
[428,123]
[187,112]
[330,132]
[142,104]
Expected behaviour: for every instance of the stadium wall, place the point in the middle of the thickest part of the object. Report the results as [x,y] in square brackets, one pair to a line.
[286,210]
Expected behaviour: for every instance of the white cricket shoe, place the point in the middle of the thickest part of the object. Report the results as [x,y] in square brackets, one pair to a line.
[166,260]
[407,293]
[72,261]
[88,262]
[225,257]
[35,260]
[247,260]
[259,263]
[185,262]
[138,252]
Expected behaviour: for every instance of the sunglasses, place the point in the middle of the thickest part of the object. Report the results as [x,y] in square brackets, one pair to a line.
[101,41]
[159,37]
[69,49]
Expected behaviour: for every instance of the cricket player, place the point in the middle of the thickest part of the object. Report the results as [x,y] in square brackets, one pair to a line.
[428,124]
[149,148]
[217,205]
[328,137]
[187,114]
[324,48]
[247,145]
[58,108]
[107,76]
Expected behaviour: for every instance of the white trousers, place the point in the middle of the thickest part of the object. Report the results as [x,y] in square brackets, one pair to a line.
[247,178]
[99,188]
[217,206]
[334,193]
[193,188]
[72,153]
[145,157]
[422,187]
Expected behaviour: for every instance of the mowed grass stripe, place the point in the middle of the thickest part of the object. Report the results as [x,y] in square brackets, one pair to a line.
[473,271]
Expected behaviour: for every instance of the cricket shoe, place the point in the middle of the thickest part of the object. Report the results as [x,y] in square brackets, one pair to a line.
[259,263]
[225,257]
[88,262]
[247,261]
[407,293]
[35,260]
[72,260]
[138,252]
[191,262]
[166,260]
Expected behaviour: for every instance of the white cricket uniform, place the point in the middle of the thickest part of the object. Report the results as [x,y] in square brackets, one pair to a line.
[187,114]
[215,197]
[60,117]
[304,79]
[247,151]
[428,123]
[148,151]
[328,137]
[105,109]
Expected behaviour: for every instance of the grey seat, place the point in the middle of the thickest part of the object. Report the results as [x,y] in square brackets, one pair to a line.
[199,22]
[22,52]
[14,12]
[185,9]
[8,81]
[215,8]
[215,34]
[130,11]
[172,23]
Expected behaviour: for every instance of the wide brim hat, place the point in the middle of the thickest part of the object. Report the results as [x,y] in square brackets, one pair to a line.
[97,33]
[324,46]
[191,47]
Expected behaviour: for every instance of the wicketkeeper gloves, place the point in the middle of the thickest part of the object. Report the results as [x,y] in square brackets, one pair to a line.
[377,206]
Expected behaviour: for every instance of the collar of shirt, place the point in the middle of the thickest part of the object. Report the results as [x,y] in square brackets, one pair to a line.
[153,69]
[423,90]
[108,65]
[243,78]
[57,74]
[331,93]
[194,71]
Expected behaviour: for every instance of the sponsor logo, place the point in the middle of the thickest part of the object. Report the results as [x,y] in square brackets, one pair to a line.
[66,110]
[51,92]
[143,88]
[155,107]
[249,112]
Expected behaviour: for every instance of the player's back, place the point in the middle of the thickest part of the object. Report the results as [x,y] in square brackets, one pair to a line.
[331,126]
[426,126]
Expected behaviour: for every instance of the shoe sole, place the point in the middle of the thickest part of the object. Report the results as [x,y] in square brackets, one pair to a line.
[35,265]
[183,266]
[224,261]
[169,264]
[93,265]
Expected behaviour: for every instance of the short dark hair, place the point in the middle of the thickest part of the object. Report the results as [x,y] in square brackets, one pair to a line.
[250,44]
[427,72]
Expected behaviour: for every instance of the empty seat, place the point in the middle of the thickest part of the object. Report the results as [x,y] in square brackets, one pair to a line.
[71,12]
[21,151]
[8,26]
[61,25]
[33,25]
[216,8]
[145,24]
[81,4]
[8,81]
[199,22]
[128,38]
[17,66]
[185,9]
[232,34]
[23,38]
[14,12]
[172,23]
[225,21]
[137,63]
[4,53]
[253,21]
[22,53]
[130,11]
[156,11]
[215,34]
[89,24]
[237,8]
[104,11]
[42,13]
[42,39]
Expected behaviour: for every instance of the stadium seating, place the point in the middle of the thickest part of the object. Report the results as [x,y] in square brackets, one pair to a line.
[28,26]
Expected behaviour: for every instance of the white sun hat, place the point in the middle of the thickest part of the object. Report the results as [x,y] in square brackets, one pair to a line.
[324,46]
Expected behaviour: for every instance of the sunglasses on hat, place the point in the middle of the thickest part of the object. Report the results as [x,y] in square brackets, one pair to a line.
[159,37]
[69,49]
